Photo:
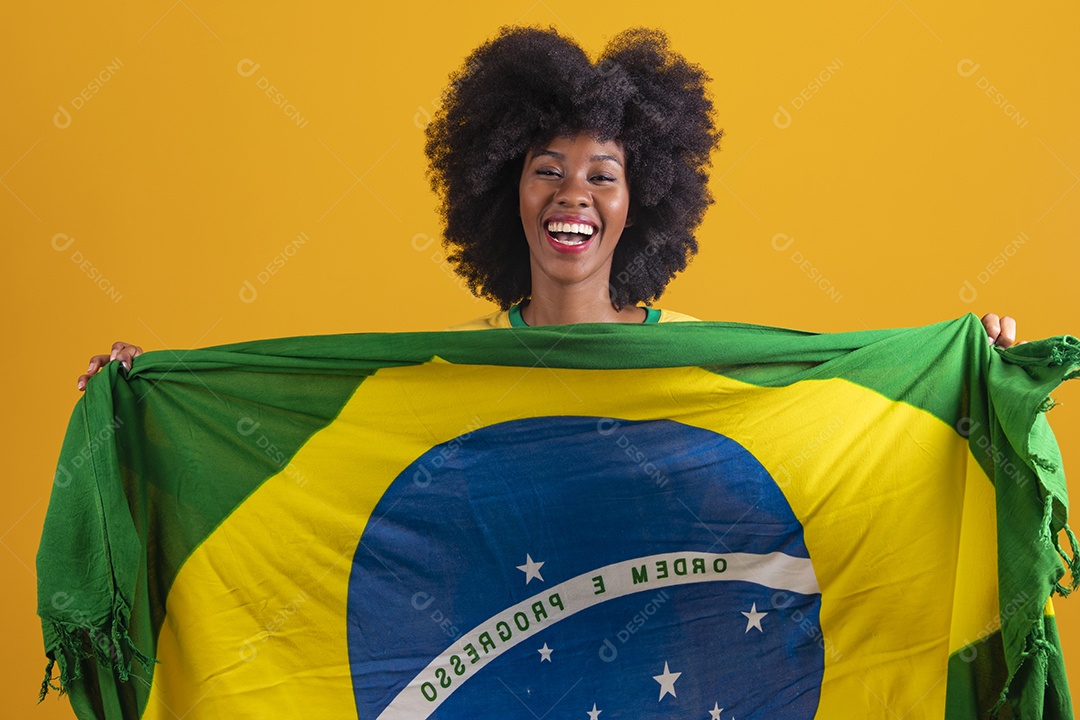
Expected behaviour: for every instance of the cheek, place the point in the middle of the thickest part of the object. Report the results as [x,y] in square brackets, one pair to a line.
[617,210]
[530,199]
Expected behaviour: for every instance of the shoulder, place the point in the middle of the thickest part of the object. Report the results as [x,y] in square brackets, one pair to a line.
[497,319]
[672,316]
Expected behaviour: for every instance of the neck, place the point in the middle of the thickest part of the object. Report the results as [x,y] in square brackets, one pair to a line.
[575,304]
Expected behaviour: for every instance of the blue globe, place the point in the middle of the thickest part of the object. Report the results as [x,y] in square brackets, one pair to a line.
[509,513]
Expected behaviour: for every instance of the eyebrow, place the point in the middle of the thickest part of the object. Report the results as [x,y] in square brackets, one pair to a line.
[561,156]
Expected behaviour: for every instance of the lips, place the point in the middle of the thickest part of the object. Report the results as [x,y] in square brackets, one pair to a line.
[571,234]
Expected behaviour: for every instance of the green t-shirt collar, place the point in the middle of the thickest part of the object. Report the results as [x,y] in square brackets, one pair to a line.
[652,316]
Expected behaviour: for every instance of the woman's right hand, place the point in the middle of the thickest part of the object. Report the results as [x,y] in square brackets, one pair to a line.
[121,351]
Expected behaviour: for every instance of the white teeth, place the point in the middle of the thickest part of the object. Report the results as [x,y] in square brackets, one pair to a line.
[578,228]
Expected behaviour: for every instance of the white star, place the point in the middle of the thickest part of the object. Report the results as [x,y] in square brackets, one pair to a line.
[545,653]
[531,569]
[714,714]
[753,618]
[594,714]
[667,682]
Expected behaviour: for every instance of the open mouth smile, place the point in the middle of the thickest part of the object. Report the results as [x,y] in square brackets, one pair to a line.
[570,237]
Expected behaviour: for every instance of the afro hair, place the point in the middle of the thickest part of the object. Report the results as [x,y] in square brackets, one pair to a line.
[528,86]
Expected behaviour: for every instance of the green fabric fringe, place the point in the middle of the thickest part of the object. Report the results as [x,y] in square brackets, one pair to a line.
[1044,464]
[1071,562]
[1048,404]
[1038,648]
[111,646]
[1066,355]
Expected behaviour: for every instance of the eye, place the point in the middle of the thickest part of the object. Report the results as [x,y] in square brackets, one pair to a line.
[547,172]
[604,178]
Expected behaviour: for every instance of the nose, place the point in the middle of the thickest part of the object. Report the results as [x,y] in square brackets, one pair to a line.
[573,190]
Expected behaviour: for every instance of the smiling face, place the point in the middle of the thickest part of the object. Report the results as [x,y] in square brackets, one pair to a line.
[574,198]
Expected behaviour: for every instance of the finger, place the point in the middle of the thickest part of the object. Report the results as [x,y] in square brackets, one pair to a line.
[128,354]
[992,324]
[96,363]
[121,351]
[1007,336]
[125,353]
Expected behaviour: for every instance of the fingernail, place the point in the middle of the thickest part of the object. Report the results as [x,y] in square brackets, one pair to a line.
[89,367]
[124,364]
[81,384]
[112,356]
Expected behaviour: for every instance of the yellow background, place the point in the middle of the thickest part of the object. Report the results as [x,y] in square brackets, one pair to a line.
[178,180]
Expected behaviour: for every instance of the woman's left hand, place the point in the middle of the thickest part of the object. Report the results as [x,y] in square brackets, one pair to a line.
[1000,330]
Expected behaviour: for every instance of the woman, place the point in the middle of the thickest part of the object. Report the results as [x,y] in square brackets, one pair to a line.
[571,190]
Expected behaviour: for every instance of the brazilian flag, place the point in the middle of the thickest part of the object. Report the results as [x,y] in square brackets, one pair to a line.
[688,520]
